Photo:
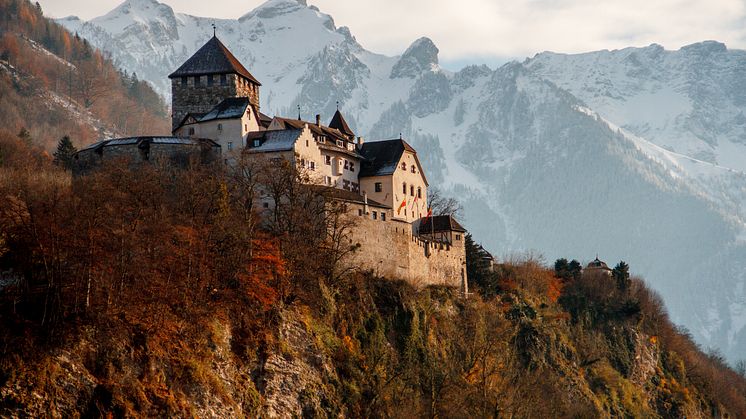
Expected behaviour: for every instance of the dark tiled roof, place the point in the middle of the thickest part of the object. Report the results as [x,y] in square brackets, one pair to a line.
[272,141]
[139,141]
[440,223]
[598,264]
[382,157]
[339,123]
[232,107]
[264,120]
[213,58]
[331,133]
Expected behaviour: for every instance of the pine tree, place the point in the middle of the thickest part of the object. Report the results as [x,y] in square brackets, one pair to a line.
[65,152]
[621,275]
[575,269]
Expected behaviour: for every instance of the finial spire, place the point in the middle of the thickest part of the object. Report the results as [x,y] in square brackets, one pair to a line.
[400,136]
[214,30]
[337,105]
[299,112]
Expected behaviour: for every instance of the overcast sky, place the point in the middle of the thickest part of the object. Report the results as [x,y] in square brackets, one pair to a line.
[492,30]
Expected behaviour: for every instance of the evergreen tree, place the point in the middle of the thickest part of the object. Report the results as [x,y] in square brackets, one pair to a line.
[65,152]
[562,269]
[575,269]
[621,276]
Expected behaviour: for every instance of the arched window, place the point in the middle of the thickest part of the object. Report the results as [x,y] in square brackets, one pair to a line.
[404,166]
[411,190]
[419,193]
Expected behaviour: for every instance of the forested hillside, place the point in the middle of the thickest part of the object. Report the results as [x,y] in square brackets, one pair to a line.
[53,83]
[157,293]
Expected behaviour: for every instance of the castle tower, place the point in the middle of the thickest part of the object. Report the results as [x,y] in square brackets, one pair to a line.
[211,75]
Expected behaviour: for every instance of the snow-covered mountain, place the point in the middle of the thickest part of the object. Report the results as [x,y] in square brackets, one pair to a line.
[637,154]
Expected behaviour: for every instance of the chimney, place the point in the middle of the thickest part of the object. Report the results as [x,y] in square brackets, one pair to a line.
[365,200]
[360,141]
[318,120]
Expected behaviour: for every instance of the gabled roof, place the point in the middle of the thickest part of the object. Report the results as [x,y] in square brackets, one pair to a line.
[213,58]
[272,141]
[141,141]
[440,223]
[339,123]
[382,157]
[232,107]
[320,130]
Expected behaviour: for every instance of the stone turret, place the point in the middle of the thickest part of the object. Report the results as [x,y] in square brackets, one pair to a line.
[208,77]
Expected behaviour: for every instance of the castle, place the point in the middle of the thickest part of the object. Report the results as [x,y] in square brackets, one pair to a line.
[216,113]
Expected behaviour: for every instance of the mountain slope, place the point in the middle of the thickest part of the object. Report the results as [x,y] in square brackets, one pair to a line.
[54,84]
[555,154]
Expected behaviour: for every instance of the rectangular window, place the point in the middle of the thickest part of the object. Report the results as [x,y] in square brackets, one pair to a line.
[340,143]
[220,127]
[355,187]
[312,165]
[197,80]
[411,190]
[328,160]
[328,180]
[413,170]
[383,216]
[346,184]
[360,212]
[375,215]
[352,166]
[419,193]
[307,143]
[223,80]
[347,164]
[322,139]
[191,131]
[209,80]
[257,143]
[184,81]
[379,187]
[230,146]
[458,237]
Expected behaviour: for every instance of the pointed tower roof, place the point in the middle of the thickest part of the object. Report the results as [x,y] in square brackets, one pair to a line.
[338,122]
[213,58]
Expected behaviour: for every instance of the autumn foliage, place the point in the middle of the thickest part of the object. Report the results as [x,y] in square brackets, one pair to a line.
[54,83]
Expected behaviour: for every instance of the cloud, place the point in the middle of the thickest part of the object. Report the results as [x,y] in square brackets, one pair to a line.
[498,28]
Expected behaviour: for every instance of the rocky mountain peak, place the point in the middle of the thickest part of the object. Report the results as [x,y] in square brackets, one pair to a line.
[421,56]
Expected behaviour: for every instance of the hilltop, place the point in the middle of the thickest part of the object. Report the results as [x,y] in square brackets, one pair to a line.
[156,293]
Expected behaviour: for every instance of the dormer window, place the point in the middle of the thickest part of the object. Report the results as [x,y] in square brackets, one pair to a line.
[340,143]
[257,143]
[322,139]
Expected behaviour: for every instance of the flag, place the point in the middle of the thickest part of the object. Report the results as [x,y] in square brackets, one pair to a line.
[414,203]
[403,204]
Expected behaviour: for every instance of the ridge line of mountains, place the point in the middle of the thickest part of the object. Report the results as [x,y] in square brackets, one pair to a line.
[636,154]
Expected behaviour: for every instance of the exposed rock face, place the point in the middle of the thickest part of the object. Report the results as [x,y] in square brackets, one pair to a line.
[421,56]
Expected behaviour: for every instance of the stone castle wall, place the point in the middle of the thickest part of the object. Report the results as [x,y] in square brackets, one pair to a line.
[176,155]
[390,249]
[201,98]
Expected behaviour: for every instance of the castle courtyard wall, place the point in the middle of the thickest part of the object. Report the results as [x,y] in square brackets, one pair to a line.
[390,249]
